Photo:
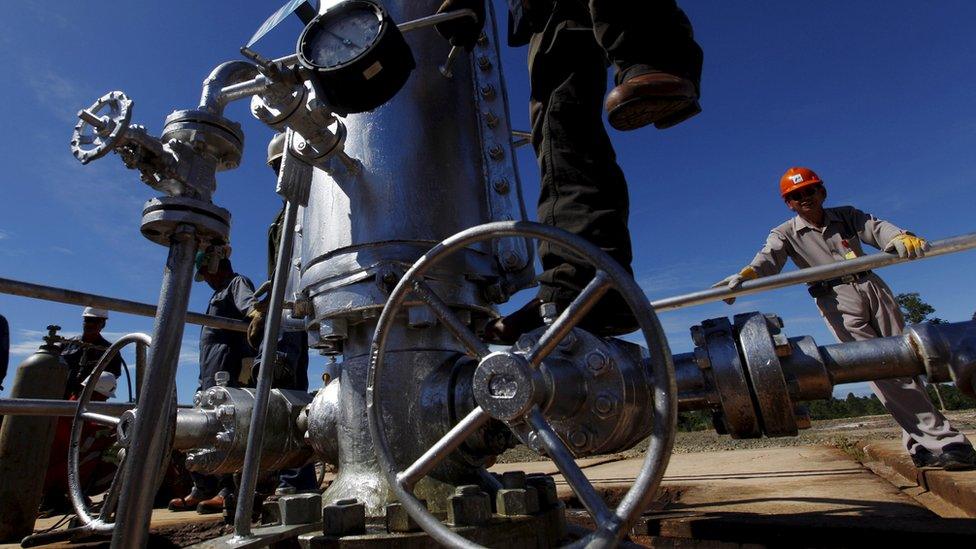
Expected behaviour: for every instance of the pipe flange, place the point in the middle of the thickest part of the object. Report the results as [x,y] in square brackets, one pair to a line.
[108,119]
[208,133]
[756,339]
[274,111]
[729,378]
[161,217]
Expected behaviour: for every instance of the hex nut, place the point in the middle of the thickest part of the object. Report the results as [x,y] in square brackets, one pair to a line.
[702,359]
[468,507]
[513,479]
[698,335]
[344,518]
[399,520]
[531,500]
[301,508]
[511,502]
[782,345]
[546,490]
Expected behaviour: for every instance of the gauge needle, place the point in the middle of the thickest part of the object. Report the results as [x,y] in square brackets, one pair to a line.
[345,41]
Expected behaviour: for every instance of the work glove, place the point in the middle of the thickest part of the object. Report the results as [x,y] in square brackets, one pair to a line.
[908,246]
[736,280]
[255,329]
[463,32]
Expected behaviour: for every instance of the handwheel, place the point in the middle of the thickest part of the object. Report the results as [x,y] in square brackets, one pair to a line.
[508,388]
[98,132]
[104,521]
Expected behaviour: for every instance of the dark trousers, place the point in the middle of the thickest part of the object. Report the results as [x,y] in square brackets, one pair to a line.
[583,190]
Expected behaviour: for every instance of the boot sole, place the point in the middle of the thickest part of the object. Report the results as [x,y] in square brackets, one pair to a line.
[643,111]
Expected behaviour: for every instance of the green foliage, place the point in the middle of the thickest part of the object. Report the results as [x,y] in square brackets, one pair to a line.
[915,310]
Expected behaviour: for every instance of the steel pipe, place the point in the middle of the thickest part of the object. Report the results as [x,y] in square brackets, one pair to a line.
[823,272]
[135,503]
[61,408]
[269,349]
[872,359]
[72,297]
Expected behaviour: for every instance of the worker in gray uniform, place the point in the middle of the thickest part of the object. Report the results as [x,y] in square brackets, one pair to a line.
[858,306]
[220,350]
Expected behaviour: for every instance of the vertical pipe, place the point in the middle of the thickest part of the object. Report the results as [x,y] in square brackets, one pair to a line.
[155,396]
[140,365]
[269,347]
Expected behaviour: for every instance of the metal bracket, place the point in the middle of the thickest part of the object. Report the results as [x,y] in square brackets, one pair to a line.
[503,187]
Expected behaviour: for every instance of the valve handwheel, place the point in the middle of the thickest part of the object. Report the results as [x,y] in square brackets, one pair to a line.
[507,387]
[101,126]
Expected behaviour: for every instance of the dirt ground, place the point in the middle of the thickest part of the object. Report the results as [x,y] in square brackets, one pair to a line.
[845,433]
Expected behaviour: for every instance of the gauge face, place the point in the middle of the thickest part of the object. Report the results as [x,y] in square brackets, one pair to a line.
[342,36]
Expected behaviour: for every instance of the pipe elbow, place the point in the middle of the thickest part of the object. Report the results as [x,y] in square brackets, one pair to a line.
[223,75]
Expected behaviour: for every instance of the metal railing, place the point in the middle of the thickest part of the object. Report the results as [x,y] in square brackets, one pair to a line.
[812,274]
[72,297]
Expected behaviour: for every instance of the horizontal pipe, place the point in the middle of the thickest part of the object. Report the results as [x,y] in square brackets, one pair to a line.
[812,274]
[72,297]
[872,359]
[436,19]
[64,408]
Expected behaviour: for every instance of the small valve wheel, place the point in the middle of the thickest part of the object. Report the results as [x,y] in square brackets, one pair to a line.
[101,126]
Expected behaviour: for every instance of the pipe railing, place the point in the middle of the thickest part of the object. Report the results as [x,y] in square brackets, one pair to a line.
[72,297]
[812,274]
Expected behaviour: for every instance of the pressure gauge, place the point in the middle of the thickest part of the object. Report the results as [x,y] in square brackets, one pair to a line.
[356,54]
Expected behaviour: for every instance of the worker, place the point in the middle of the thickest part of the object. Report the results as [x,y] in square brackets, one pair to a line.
[291,366]
[82,353]
[857,306]
[657,66]
[221,350]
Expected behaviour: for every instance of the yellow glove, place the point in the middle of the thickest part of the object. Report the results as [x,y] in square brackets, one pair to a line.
[255,330]
[907,246]
[736,280]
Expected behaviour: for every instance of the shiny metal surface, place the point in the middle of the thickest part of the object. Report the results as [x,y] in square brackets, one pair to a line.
[769,392]
[135,506]
[216,431]
[73,297]
[269,348]
[823,272]
[60,408]
[659,385]
[403,201]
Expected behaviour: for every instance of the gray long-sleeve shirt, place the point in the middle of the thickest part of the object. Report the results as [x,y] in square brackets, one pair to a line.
[845,228]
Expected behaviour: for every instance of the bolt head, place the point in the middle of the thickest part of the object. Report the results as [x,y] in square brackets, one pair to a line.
[596,361]
[698,335]
[605,405]
[501,185]
[525,343]
[579,439]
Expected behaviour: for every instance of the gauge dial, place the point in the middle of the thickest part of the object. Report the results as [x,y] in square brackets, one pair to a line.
[356,55]
[342,38]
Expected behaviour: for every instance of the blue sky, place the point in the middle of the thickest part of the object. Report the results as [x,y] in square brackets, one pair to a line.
[878,101]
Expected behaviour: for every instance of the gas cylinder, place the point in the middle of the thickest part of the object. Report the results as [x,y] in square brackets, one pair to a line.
[25,441]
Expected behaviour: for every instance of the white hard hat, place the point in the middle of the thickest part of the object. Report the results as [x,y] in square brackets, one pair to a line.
[92,312]
[105,385]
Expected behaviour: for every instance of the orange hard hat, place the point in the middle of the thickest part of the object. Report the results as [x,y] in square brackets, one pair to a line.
[797,178]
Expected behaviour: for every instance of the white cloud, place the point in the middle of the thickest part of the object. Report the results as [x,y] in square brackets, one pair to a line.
[4,235]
